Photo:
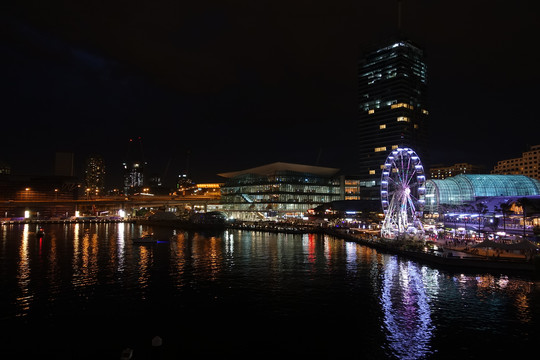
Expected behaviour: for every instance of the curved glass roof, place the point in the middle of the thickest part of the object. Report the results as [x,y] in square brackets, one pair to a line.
[466,187]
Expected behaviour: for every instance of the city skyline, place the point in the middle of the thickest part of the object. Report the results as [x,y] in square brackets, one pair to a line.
[242,85]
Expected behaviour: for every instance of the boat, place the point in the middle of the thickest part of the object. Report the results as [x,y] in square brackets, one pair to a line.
[40,233]
[145,239]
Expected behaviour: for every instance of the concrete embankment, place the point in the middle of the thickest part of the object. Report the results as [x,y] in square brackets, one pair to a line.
[447,261]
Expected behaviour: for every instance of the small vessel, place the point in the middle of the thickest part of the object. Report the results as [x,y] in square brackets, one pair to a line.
[40,233]
[145,239]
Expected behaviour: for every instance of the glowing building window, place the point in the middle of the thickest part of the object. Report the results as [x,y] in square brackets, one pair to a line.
[382,148]
[371,111]
[383,126]
[394,147]
[403,118]
[402,105]
[371,172]
[424,111]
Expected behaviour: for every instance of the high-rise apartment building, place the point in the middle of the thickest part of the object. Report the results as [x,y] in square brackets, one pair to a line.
[445,171]
[393,111]
[5,168]
[528,164]
[134,167]
[95,175]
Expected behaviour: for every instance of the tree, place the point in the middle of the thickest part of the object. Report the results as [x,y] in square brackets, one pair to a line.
[480,208]
[525,206]
[504,208]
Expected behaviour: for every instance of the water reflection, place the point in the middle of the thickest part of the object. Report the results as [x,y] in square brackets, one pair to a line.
[85,257]
[120,243]
[410,310]
[53,274]
[179,258]
[207,255]
[25,296]
[493,291]
[406,311]
[144,265]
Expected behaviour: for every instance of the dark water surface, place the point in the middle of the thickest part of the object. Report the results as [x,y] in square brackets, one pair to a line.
[87,292]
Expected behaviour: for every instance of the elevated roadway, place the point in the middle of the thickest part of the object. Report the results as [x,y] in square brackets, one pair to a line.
[101,204]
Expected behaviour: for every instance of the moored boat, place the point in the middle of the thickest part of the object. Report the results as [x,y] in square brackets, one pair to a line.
[40,233]
[145,239]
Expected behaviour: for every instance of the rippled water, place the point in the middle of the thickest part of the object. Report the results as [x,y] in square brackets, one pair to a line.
[86,292]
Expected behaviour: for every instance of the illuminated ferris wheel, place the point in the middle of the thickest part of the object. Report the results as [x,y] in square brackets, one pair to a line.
[402,194]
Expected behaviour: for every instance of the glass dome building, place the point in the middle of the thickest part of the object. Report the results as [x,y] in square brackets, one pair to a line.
[463,188]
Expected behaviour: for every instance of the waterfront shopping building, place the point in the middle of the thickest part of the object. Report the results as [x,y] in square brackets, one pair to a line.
[283,190]
[456,191]
[393,113]
[503,204]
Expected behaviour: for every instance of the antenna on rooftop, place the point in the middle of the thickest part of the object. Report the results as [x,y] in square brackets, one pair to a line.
[399,16]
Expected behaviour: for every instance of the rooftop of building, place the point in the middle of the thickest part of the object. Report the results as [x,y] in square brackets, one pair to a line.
[273,168]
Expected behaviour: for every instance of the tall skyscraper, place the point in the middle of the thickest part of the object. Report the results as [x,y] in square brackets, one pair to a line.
[134,167]
[95,175]
[393,111]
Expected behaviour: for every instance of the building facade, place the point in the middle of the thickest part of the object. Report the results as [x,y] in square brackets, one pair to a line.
[350,187]
[94,175]
[278,190]
[528,164]
[393,111]
[442,172]
[5,168]
[134,168]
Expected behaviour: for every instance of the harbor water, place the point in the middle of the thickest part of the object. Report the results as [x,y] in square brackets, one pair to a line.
[86,291]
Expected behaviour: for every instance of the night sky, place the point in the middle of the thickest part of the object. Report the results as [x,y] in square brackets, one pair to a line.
[240,84]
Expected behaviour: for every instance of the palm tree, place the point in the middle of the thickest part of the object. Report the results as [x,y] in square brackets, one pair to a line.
[505,209]
[525,204]
[480,208]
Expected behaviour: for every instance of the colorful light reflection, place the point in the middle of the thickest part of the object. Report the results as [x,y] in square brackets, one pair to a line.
[407,315]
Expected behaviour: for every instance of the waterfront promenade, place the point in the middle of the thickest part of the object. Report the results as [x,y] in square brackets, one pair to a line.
[440,252]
